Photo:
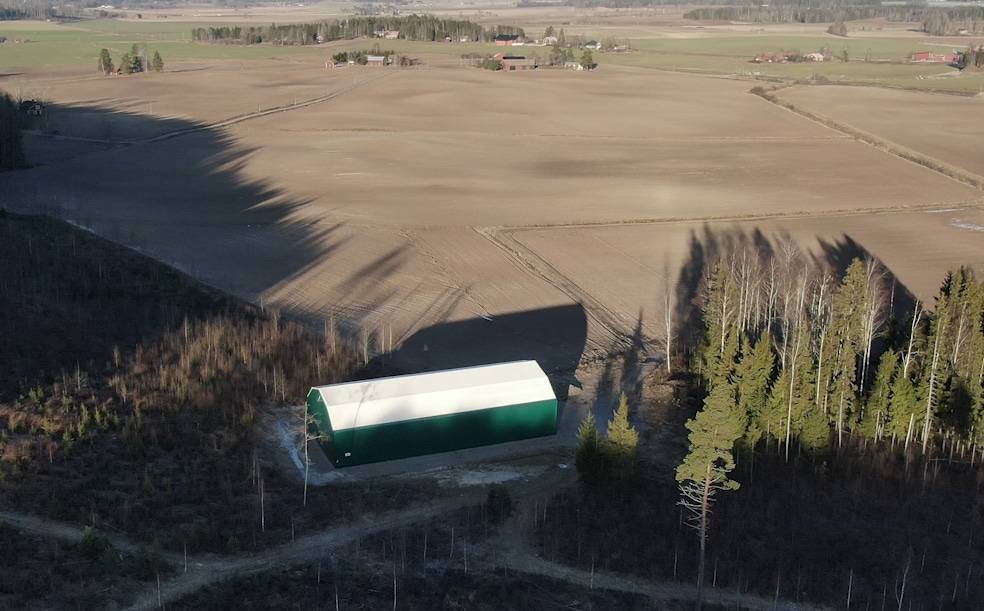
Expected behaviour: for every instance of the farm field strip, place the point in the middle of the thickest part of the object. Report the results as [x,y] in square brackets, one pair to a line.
[402,221]
[626,267]
[936,165]
[947,129]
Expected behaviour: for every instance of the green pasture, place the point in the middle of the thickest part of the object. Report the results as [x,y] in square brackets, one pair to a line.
[746,47]
[732,55]
[55,45]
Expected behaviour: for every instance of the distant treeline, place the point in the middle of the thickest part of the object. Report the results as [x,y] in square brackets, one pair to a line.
[412,27]
[12,10]
[973,59]
[952,20]
[726,3]
[936,21]
[796,13]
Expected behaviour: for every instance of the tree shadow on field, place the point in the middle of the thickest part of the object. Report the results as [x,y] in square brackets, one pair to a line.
[186,200]
[554,337]
[713,243]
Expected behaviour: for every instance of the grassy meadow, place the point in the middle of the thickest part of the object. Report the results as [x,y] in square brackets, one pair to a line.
[732,54]
[65,45]
[77,44]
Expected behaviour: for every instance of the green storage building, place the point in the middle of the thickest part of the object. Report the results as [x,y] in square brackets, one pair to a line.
[410,415]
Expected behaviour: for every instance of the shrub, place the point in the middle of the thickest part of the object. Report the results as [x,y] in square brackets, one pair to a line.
[499,504]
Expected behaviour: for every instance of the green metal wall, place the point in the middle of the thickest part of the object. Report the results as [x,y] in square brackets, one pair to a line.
[431,435]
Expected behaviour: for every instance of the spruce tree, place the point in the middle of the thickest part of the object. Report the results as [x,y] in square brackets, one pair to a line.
[623,440]
[903,406]
[807,422]
[589,457]
[157,63]
[772,421]
[719,346]
[753,375]
[875,415]
[126,63]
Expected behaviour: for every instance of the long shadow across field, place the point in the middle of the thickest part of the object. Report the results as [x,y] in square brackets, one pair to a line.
[712,244]
[186,201]
[554,337]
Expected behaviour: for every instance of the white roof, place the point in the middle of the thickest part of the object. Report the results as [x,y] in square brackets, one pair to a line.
[423,395]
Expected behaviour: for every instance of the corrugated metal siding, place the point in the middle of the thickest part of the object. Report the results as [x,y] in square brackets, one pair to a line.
[428,395]
[443,433]
[405,416]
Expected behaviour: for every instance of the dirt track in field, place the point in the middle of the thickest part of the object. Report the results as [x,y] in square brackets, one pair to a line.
[449,204]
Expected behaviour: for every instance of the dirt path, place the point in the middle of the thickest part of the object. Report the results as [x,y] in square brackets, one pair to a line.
[205,570]
[67,532]
[523,561]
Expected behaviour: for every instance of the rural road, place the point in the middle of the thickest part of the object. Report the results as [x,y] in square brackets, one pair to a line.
[206,570]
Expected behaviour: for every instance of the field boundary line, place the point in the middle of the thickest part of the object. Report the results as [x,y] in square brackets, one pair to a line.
[887,146]
[741,218]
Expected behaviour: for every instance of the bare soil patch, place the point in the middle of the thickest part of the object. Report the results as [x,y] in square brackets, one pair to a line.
[367,207]
[627,267]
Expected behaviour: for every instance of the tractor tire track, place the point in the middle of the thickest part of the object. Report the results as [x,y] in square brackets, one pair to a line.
[221,123]
[608,319]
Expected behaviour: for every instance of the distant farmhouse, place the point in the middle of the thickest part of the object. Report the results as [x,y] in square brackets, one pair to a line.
[506,40]
[377,60]
[513,63]
[929,57]
[781,57]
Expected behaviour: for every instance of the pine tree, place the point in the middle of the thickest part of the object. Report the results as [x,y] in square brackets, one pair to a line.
[705,470]
[157,62]
[105,64]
